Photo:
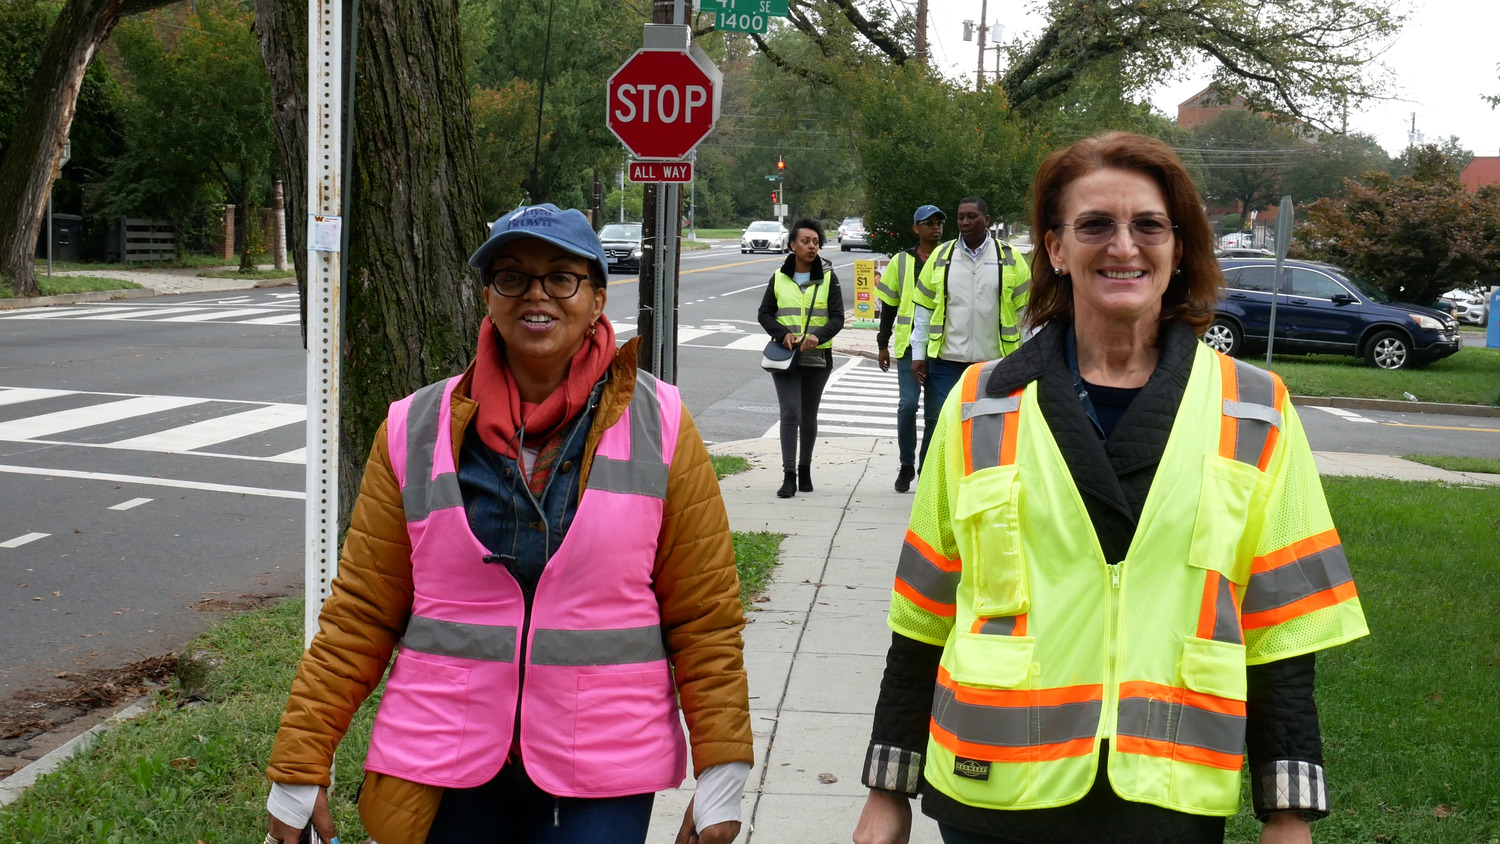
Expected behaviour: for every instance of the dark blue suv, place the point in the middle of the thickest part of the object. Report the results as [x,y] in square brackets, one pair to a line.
[1322,309]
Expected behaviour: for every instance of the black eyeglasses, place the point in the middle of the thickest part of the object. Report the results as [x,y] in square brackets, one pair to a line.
[558,284]
[1097,229]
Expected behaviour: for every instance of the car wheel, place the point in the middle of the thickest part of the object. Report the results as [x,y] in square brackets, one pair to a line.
[744,251]
[1389,350]
[1224,336]
[843,248]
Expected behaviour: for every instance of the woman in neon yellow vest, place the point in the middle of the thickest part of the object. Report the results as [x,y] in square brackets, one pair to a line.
[1120,563]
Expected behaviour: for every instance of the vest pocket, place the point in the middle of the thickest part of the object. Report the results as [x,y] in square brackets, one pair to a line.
[1220,542]
[994,662]
[1214,668]
[423,713]
[986,527]
[626,732]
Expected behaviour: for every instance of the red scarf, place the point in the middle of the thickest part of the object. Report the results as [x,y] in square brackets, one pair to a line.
[501,411]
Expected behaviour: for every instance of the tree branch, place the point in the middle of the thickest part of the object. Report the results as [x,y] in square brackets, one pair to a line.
[882,41]
[776,59]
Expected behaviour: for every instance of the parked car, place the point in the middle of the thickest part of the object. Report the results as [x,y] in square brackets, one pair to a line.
[1245,252]
[852,233]
[764,236]
[1323,309]
[622,246]
[1465,306]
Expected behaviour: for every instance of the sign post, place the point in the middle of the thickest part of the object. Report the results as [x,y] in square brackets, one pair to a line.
[661,103]
[1284,217]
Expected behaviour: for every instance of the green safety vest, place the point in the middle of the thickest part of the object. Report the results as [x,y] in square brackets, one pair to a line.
[895,289]
[793,304]
[931,292]
[1048,651]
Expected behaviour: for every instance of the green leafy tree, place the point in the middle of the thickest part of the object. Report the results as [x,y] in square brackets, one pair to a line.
[1244,156]
[1415,160]
[1415,236]
[1327,166]
[504,131]
[633,198]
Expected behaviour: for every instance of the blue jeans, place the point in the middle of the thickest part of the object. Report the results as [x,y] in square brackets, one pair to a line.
[511,809]
[906,412]
[942,377]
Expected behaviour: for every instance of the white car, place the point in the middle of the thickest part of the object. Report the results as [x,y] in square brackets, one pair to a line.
[1467,307]
[852,233]
[764,236]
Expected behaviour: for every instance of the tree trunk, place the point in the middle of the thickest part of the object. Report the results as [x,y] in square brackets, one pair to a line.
[414,306]
[32,160]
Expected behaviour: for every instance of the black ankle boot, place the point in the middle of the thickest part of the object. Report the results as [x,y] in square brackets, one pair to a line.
[788,486]
[904,477]
[804,478]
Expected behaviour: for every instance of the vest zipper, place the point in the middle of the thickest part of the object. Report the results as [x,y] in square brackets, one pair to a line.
[1111,716]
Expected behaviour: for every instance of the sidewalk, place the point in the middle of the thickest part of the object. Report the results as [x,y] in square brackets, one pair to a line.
[159,282]
[815,648]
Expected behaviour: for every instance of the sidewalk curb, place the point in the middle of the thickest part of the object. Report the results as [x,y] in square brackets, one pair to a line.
[77,298]
[15,785]
[1317,401]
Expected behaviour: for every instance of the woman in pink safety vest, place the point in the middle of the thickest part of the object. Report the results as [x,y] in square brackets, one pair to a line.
[544,539]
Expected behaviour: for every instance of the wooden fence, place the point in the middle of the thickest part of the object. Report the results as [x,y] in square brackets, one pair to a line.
[148,240]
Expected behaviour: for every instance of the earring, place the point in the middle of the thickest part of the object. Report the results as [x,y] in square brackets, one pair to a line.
[593,328]
[1177,271]
[1057,270]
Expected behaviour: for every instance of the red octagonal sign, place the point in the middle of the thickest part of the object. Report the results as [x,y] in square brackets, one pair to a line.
[663,102]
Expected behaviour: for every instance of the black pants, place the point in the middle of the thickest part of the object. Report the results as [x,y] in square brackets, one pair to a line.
[798,392]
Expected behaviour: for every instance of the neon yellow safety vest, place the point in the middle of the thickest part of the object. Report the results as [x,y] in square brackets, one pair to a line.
[895,289]
[931,292]
[1049,651]
[793,302]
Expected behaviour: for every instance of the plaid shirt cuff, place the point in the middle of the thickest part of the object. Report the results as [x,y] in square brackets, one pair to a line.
[890,768]
[1290,785]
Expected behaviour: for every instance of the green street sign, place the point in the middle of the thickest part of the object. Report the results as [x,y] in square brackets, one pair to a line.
[736,21]
[773,177]
[767,8]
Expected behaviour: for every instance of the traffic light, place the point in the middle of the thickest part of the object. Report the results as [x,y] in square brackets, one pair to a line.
[780,165]
[773,197]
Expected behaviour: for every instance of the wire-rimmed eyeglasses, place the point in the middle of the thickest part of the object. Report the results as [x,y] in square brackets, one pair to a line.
[1096,229]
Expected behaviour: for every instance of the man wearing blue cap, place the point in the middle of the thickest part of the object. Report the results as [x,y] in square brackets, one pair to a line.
[895,293]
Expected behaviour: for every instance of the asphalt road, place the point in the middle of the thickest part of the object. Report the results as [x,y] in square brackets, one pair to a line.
[152,473]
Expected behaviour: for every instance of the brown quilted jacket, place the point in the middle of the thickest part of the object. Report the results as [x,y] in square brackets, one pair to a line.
[362,621]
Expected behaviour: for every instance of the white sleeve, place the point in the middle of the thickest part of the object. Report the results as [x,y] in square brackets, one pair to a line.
[717,798]
[293,804]
[921,318]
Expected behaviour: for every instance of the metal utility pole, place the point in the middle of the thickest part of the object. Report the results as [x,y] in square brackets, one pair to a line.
[984,26]
[922,31]
[661,230]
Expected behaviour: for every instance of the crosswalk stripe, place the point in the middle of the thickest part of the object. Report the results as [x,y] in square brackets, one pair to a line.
[16,395]
[213,315]
[34,427]
[279,319]
[223,429]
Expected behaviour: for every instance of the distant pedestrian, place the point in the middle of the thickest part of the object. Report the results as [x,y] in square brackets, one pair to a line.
[1120,563]
[897,304]
[802,310]
[969,303]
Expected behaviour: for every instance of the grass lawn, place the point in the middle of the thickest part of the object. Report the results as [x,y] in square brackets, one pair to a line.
[58,285]
[1457,464]
[1472,376]
[717,234]
[253,274]
[728,464]
[185,259]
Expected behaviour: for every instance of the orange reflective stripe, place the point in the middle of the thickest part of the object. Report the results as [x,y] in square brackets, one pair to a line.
[930,554]
[1008,439]
[1228,425]
[1020,697]
[906,591]
[970,392]
[1274,435]
[1179,752]
[1312,603]
[1294,552]
[1186,697]
[1208,606]
[996,753]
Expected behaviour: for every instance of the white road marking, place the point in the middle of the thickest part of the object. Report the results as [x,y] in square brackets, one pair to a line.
[33,427]
[16,395]
[223,429]
[23,539]
[1347,415]
[132,503]
[144,481]
[279,319]
[215,315]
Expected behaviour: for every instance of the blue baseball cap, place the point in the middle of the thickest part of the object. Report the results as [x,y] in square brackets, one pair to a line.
[927,212]
[568,229]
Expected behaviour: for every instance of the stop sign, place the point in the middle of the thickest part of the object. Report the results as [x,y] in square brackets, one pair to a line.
[662,102]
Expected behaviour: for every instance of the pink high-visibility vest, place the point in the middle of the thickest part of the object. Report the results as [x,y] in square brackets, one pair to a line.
[597,701]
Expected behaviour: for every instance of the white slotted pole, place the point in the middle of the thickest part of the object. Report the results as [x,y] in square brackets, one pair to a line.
[325,63]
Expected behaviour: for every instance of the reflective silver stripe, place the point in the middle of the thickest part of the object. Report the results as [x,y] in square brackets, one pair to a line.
[452,638]
[989,406]
[645,472]
[422,494]
[1015,726]
[1226,620]
[880,287]
[1004,625]
[903,320]
[1010,332]
[988,428]
[789,312]
[927,292]
[1021,289]
[1177,723]
[1318,571]
[597,647]
[935,332]
[1007,258]
[1255,409]
[928,580]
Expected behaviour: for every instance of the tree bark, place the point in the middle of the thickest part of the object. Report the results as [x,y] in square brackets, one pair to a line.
[33,158]
[414,305]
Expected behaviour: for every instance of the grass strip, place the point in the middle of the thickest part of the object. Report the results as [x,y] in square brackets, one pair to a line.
[1472,376]
[1410,737]
[756,555]
[251,274]
[1457,464]
[717,234]
[59,285]
[728,464]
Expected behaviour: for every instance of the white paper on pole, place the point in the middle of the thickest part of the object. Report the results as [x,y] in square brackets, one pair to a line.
[324,233]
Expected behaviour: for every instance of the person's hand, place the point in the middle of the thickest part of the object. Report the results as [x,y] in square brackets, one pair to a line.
[809,342]
[1286,828]
[886,819]
[919,371]
[322,821]
[885,360]
[789,340]
[722,832]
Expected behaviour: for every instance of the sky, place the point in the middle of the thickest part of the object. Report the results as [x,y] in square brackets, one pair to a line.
[1442,62]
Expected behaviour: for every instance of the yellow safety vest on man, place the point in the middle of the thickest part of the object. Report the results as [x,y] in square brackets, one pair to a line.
[793,304]
[931,292]
[1049,651]
[895,290]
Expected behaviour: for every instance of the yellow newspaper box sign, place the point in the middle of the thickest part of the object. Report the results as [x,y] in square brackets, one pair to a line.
[866,273]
